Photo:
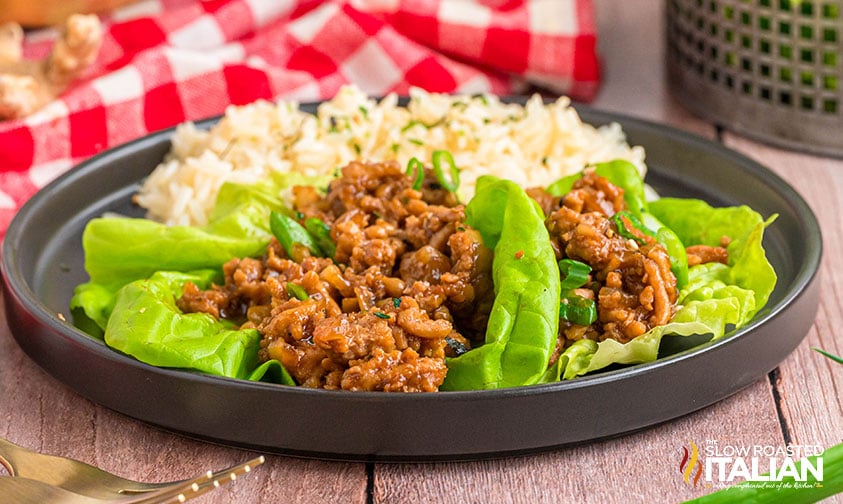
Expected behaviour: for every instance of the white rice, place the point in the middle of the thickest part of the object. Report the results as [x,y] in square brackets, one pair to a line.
[533,145]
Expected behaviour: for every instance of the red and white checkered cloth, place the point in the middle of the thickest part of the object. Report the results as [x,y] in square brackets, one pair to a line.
[164,62]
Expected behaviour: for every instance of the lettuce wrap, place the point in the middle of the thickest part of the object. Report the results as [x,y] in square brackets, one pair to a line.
[713,297]
[137,269]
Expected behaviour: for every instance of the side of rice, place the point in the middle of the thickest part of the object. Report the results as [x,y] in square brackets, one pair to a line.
[534,144]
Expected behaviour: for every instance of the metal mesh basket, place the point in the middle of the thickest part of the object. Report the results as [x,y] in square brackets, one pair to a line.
[770,69]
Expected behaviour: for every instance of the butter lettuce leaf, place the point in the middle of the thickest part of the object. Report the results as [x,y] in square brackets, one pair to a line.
[146,324]
[523,323]
[697,222]
[716,299]
[138,267]
[119,250]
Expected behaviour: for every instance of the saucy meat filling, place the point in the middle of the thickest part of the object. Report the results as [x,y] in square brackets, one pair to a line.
[409,284]
[631,282]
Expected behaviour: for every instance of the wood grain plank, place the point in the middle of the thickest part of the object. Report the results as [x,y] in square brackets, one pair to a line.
[642,467]
[38,412]
[810,386]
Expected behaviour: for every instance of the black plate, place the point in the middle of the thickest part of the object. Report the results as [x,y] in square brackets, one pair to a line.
[42,261]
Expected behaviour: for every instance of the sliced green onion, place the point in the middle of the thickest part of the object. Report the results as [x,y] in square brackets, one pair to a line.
[410,124]
[828,354]
[415,122]
[396,302]
[289,232]
[626,222]
[573,307]
[678,257]
[416,168]
[578,310]
[296,291]
[321,234]
[454,183]
[574,273]
[381,315]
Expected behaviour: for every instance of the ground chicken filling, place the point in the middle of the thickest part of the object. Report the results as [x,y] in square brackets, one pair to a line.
[409,284]
[631,281]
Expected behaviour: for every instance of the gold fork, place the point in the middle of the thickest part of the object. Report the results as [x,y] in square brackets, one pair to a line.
[18,490]
[189,489]
[72,475]
[84,479]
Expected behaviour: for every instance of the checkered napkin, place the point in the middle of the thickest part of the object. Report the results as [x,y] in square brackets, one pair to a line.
[167,61]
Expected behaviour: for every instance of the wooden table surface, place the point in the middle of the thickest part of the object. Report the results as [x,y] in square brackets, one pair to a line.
[799,402]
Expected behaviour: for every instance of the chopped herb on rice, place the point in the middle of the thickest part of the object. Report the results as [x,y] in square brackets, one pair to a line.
[532,144]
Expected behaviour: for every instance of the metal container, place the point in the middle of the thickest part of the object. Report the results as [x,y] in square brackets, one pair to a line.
[769,69]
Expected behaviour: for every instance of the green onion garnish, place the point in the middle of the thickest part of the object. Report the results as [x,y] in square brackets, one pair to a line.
[574,273]
[416,168]
[410,125]
[296,291]
[578,310]
[828,354]
[381,315]
[396,302]
[626,223]
[573,307]
[321,234]
[454,172]
[288,232]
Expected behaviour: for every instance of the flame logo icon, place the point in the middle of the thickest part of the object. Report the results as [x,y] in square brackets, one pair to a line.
[690,466]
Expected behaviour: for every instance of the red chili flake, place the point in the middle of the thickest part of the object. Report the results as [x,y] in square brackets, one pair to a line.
[519,254]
